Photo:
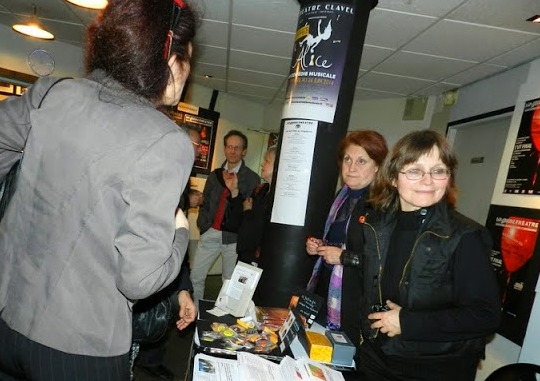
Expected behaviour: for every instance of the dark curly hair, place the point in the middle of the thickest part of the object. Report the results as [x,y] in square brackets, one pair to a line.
[127,41]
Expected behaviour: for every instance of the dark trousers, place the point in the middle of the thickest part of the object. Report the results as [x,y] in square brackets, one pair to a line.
[151,354]
[375,366]
[24,359]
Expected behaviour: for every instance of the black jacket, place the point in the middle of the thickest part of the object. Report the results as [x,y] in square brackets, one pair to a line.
[254,223]
[448,291]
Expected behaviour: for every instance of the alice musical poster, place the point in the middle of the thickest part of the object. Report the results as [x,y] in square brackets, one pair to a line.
[516,261]
[523,173]
[319,56]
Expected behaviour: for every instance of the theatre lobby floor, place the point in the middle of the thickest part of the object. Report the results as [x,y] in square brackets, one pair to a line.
[178,344]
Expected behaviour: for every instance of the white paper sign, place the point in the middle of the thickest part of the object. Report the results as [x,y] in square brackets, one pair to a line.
[294,174]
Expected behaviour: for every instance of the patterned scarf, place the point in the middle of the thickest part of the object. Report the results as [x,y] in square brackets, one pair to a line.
[333,314]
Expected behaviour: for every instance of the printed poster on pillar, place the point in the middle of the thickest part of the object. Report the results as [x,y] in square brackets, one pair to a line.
[523,173]
[515,259]
[320,50]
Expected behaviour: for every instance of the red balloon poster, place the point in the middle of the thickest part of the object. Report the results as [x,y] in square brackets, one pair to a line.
[524,170]
[516,262]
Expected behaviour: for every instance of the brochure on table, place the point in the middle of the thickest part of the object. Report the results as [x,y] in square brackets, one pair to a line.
[235,295]
[250,367]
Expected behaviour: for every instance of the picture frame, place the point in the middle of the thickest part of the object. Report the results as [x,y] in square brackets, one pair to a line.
[205,122]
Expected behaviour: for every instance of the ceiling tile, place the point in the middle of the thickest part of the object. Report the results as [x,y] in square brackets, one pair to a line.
[365,94]
[212,83]
[467,41]
[393,29]
[422,66]
[475,73]
[391,83]
[437,8]
[519,55]
[213,33]
[217,10]
[259,62]
[210,54]
[51,9]
[284,14]
[501,13]
[65,31]
[216,71]
[373,55]
[435,89]
[262,41]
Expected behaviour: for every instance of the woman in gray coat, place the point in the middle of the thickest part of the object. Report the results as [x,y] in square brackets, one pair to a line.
[91,227]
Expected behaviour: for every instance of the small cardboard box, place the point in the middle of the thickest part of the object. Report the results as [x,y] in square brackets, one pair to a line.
[344,349]
[318,347]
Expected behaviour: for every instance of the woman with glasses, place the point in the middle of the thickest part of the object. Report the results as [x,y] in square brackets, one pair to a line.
[91,227]
[335,276]
[429,296]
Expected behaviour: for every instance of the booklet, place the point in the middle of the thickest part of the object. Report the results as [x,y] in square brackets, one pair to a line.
[235,294]
[250,367]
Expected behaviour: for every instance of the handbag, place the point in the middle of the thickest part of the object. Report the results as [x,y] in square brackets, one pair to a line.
[151,318]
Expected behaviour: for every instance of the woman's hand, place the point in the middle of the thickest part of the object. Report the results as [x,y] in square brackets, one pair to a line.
[387,322]
[188,310]
[247,204]
[180,220]
[312,244]
[331,254]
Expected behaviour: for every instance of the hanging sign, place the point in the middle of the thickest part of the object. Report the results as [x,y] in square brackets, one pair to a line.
[319,56]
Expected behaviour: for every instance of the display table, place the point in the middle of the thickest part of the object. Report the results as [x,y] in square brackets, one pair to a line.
[218,349]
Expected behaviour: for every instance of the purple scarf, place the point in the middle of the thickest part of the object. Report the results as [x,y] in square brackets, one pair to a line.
[333,314]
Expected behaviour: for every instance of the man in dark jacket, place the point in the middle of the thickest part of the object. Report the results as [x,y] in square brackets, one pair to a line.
[218,235]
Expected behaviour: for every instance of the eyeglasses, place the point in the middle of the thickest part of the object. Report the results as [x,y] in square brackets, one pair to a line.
[234,148]
[417,174]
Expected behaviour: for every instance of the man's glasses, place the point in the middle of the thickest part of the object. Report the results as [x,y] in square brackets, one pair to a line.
[234,148]
[417,174]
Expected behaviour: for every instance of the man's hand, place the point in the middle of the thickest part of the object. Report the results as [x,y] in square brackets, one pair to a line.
[188,310]
[231,181]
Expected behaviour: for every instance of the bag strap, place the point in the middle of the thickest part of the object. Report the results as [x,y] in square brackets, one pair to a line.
[41,102]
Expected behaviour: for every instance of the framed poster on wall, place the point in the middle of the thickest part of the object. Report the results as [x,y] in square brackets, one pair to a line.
[522,177]
[205,122]
[515,259]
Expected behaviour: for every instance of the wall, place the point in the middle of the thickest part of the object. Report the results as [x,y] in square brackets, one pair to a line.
[385,116]
[16,47]
[511,88]
[491,94]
